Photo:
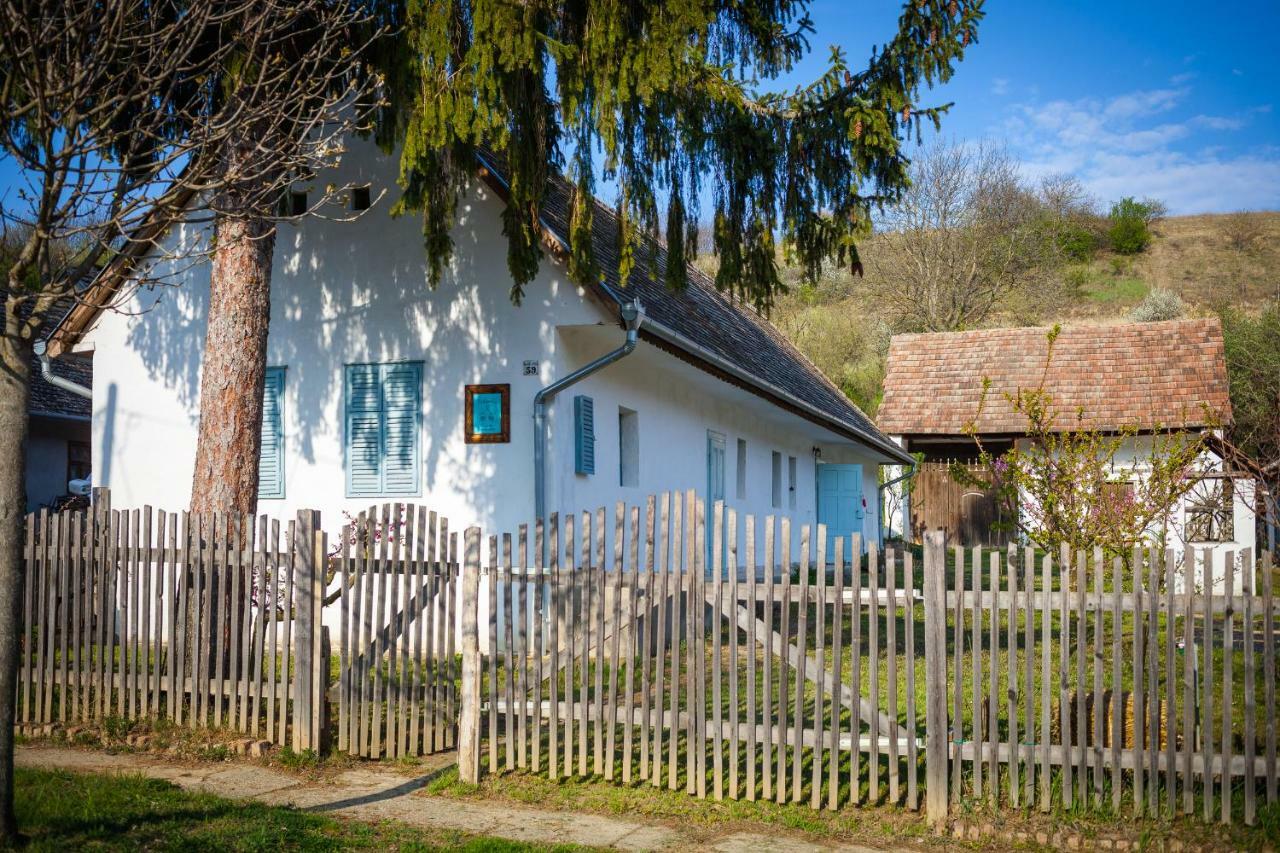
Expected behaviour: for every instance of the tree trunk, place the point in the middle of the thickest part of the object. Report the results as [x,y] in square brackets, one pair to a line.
[234,369]
[15,377]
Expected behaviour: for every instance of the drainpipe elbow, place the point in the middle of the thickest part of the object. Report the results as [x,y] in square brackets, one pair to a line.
[41,350]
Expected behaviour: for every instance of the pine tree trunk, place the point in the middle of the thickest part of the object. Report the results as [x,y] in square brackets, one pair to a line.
[15,377]
[234,368]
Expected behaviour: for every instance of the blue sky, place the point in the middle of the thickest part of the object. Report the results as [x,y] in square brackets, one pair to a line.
[1172,100]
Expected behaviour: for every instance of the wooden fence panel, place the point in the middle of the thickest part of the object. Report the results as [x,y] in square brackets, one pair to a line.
[124,615]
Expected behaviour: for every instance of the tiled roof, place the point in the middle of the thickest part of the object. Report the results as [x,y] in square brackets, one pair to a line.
[47,399]
[1143,375]
[707,318]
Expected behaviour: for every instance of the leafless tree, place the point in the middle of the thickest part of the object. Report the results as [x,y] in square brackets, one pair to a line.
[1243,230]
[119,118]
[969,234]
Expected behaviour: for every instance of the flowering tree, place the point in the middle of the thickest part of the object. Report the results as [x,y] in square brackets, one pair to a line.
[1072,485]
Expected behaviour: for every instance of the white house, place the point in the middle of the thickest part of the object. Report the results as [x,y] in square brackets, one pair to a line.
[1146,377]
[374,373]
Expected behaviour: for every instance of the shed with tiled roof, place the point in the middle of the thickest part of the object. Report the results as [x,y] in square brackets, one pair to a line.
[1148,376]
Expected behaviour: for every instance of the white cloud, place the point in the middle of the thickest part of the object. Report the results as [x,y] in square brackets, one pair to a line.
[1000,86]
[1137,144]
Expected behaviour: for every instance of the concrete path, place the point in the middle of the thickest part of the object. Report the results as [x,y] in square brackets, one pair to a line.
[373,793]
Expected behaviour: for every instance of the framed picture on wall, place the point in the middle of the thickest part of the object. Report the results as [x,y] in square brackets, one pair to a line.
[488,414]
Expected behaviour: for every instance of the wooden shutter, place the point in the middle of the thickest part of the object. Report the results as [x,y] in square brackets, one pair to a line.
[383,429]
[271,451]
[401,414]
[584,435]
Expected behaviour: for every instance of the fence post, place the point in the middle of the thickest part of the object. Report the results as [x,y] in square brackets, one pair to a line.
[935,662]
[306,634]
[469,704]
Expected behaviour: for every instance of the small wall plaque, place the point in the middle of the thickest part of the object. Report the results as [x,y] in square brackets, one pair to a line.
[531,368]
[488,414]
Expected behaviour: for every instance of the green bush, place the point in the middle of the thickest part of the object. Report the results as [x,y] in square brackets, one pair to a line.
[1130,230]
[1077,243]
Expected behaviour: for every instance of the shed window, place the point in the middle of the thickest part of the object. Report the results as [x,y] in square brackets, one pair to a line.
[383,429]
[360,198]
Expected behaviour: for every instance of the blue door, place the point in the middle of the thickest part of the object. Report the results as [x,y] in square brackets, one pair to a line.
[840,505]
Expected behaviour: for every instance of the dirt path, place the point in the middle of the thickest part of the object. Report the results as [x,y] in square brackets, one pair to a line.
[376,794]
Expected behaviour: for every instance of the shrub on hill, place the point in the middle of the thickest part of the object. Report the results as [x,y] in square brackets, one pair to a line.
[1158,305]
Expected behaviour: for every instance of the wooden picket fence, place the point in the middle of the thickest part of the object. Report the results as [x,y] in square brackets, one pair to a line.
[622,645]
[621,651]
[668,645]
[1132,683]
[208,620]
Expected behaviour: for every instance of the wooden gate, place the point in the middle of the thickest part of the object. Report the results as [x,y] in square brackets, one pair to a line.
[397,678]
[968,515]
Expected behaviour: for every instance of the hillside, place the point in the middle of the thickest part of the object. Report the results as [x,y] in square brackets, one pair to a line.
[1209,260]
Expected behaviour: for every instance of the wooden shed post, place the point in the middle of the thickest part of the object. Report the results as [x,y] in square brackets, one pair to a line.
[469,705]
[935,655]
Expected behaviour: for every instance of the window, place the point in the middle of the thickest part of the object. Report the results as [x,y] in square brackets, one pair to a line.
[777,479]
[79,456]
[1211,512]
[383,426]
[297,204]
[742,469]
[791,482]
[584,435]
[360,198]
[628,447]
[271,450]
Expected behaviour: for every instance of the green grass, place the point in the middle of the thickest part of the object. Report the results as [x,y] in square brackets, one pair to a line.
[1123,290]
[59,810]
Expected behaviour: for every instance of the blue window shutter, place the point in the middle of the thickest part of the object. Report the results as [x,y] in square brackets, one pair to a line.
[383,428]
[401,412]
[363,422]
[584,435]
[271,451]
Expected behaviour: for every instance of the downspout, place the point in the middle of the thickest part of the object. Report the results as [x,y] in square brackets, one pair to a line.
[632,317]
[911,472]
[41,350]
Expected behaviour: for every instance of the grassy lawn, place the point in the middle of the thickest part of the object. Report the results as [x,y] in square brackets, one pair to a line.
[58,810]
[877,825]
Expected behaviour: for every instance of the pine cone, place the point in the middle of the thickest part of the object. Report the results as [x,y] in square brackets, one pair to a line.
[906,113]
[857,128]
[953,8]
